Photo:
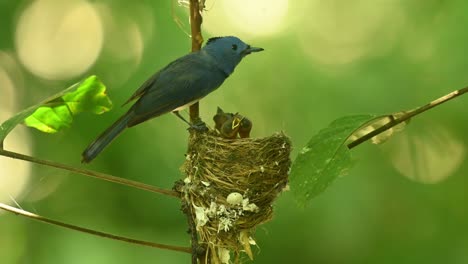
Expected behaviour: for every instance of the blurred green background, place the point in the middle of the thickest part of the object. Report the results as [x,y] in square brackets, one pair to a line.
[404,202]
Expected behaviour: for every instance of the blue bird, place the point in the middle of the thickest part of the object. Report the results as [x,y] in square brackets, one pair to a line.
[181,83]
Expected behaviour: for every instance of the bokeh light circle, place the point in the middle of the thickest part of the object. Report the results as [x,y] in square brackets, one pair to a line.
[429,156]
[245,17]
[338,32]
[14,174]
[59,39]
[124,39]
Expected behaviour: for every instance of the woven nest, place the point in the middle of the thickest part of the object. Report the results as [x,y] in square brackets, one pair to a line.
[230,187]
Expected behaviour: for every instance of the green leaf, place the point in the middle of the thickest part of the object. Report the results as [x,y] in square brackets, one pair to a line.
[324,158]
[90,96]
[50,119]
[56,112]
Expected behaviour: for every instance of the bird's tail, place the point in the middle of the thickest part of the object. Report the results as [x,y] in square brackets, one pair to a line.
[105,138]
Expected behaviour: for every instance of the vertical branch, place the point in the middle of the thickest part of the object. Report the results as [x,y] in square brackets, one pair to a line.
[194,110]
[195,24]
[197,40]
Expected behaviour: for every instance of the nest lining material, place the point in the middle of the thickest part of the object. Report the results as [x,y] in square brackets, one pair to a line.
[231,185]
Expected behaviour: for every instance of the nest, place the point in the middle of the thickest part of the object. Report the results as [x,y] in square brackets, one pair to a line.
[229,189]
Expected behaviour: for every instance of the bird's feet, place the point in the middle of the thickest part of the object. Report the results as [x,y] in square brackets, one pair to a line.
[198,126]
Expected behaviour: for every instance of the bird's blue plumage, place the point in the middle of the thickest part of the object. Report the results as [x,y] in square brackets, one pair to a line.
[182,82]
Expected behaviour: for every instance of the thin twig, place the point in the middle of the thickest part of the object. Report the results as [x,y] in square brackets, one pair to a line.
[176,18]
[407,116]
[197,40]
[95,174]
[92,232]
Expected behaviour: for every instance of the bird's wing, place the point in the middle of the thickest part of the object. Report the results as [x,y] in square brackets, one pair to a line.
[143,88]
[186,80]
[149,83]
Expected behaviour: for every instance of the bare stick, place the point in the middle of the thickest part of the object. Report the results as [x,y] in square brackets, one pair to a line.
[407,116]
[197,40]
[92,232]
[95,174]
[194,110]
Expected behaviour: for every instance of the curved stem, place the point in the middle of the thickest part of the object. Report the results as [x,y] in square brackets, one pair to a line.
[95,174]
[395,121]
[92,232]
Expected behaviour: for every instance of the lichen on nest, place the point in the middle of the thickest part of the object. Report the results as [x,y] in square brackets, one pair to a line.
[230,185]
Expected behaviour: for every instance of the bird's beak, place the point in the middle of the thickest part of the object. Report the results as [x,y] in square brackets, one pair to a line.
[249,50]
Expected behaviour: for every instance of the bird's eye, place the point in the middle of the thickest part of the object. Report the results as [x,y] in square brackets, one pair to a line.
[234,47]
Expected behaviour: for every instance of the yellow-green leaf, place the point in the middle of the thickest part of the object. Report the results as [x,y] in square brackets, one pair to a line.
[56,112]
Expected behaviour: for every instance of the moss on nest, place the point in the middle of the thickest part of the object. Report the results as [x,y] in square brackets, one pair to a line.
[230,187]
